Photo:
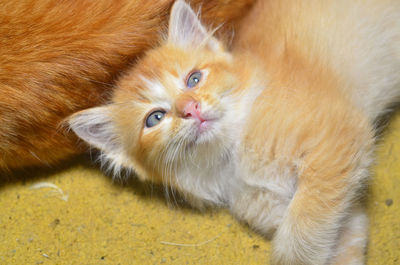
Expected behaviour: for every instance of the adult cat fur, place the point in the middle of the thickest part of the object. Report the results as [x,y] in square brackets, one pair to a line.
[280,130]
[58,57]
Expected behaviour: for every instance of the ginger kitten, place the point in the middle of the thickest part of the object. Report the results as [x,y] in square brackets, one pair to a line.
[59,57]
[280,130]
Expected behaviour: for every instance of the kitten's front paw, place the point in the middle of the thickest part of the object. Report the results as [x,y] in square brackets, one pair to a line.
[289,254]
[294,245]
[285,252]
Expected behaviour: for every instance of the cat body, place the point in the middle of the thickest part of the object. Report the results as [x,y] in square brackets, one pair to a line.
[59,57]
[280,130]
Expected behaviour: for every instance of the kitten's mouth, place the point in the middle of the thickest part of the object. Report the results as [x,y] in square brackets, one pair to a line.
[205,125]
[204,130]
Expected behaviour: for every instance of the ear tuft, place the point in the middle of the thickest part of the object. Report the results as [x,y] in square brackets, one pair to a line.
[95,126]
[186,30]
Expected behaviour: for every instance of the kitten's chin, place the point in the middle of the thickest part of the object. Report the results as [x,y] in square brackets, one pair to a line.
[206,126]
[205,132]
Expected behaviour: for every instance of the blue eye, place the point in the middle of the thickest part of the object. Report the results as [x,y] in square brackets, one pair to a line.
[194,79]
[154,118]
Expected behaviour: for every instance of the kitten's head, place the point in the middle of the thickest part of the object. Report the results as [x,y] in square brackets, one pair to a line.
[177,108]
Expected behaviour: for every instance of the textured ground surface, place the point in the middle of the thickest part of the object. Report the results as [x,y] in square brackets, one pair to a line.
[89,219]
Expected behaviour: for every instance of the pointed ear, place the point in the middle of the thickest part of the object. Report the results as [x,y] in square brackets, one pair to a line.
[96,127]
[185,29]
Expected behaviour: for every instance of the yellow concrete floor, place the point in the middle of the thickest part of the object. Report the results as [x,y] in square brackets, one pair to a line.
[89,219]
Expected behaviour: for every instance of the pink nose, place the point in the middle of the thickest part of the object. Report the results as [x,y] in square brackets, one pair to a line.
[192,109]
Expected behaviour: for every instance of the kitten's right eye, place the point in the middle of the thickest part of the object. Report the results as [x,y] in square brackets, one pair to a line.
[154,118]
[193,79]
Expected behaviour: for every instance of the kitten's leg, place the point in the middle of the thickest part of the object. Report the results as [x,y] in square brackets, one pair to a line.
[311,226]
[353,240]
[262,202]
[260,209]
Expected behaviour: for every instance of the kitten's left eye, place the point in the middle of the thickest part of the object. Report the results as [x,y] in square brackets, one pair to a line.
[193,79]
[154,118]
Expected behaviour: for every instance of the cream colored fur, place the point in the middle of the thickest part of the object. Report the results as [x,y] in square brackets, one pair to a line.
[290,113]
